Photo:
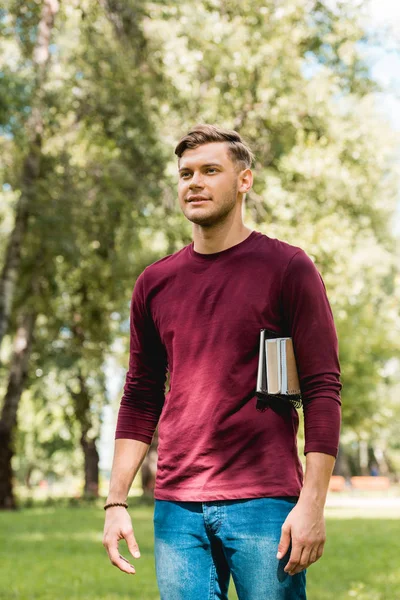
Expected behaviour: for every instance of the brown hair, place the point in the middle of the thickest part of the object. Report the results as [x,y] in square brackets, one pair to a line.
[238,151]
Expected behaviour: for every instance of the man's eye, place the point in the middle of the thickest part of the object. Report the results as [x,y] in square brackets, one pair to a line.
[211,169]
[183,175]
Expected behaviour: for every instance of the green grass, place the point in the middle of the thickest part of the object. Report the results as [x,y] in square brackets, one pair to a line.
[55,553]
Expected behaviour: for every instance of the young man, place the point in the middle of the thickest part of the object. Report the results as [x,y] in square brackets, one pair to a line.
[229,496]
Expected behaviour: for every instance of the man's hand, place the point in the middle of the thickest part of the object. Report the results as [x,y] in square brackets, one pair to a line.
[305,528]
[118,526]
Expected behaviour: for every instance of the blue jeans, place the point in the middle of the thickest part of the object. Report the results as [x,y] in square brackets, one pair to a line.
[198,545]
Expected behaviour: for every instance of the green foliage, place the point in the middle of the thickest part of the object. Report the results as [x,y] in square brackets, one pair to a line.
[126,80]
[47,439]
[308,109]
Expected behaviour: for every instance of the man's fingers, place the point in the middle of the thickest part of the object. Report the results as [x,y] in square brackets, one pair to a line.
[320,550]
[284,542]
[313,555]
[116,559]
[294,560]
[308,557]
[304,561]
[119,561]
[132,543]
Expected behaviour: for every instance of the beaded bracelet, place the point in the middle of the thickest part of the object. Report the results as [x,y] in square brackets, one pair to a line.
[124,504]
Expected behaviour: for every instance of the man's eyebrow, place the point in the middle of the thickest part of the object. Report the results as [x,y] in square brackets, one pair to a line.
[214,164]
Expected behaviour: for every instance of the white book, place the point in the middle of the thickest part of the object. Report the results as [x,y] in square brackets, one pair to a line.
[277,370]
[273,366]
[284,379]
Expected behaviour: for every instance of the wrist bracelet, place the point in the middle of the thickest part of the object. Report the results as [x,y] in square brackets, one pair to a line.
[124,504]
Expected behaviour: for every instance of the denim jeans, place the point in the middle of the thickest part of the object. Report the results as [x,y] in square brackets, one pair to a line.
[198,545]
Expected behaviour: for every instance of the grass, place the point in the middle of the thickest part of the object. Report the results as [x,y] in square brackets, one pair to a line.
[55,553]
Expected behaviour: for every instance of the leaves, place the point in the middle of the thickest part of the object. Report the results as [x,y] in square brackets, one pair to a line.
[127,79]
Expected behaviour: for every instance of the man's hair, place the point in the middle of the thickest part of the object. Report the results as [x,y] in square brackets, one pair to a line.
[238,150]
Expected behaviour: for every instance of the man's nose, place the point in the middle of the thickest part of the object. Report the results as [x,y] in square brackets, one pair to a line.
[196,181]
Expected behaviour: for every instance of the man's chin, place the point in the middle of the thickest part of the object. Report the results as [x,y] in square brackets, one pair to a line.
[206,216]
[201,219]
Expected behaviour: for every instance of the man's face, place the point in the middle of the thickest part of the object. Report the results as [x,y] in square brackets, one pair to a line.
[208,184]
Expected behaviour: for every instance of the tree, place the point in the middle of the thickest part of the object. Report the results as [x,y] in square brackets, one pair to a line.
[123,81]
[31,159]
[291,78]
[84,227]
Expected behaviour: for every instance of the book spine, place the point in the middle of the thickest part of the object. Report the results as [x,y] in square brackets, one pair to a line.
[261,364]
[284,381]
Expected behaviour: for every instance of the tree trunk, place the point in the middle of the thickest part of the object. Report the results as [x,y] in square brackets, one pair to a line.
[8,420]
[363,456]
[91,457]
[342,465]
[28,476]
[7,500]
[30,168]
[81,400]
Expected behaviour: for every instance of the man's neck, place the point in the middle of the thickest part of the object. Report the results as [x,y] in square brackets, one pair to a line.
[211,240]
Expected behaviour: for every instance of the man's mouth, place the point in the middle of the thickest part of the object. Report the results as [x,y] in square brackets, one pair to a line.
[197,199]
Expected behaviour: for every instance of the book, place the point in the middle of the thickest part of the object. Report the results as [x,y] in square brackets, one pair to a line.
[282,377]
[277,375]
[274,366]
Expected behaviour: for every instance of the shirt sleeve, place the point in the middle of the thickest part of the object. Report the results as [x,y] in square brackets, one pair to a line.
[144,389]
[309,321]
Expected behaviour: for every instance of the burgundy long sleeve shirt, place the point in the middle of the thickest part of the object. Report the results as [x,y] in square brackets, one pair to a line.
[199,317]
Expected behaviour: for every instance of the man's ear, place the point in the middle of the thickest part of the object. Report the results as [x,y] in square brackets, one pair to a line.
[245,181]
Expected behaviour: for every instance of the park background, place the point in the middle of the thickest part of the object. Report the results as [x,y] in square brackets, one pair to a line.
[94,96]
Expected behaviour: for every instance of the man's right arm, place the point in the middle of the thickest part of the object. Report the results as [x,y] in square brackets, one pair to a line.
[138,416]
[144,389]
[128,457]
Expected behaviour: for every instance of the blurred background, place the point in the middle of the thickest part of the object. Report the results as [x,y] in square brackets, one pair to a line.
[94,95]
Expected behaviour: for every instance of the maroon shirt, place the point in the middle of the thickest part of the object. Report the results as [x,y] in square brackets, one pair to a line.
[200,315]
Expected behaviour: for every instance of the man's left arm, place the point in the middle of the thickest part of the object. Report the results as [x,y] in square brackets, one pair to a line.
[308,318]
[304,527]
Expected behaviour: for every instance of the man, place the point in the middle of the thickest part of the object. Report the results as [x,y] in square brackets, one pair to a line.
[229,494]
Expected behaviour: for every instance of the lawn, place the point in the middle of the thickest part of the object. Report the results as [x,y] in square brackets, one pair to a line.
[55,553]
